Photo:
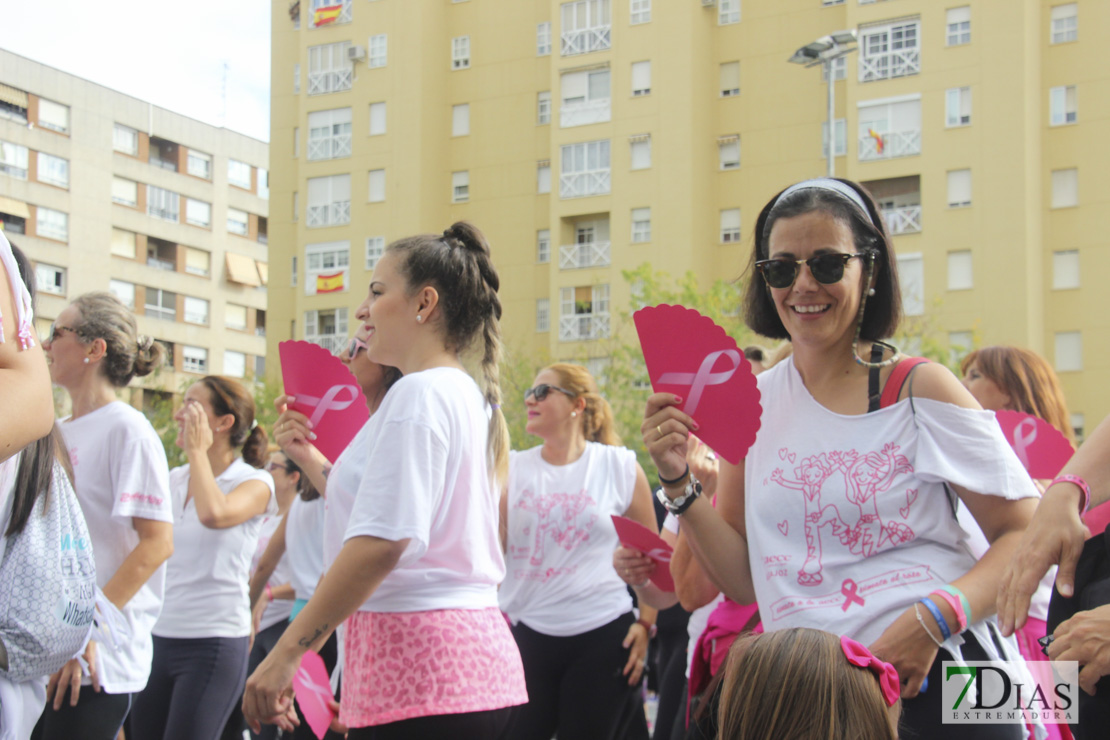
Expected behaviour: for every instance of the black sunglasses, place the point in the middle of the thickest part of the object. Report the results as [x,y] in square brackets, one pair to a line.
[56,332]
[541,391]
[825,268]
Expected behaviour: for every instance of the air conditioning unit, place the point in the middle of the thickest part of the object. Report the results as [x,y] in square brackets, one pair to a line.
[356,53]
[708,3]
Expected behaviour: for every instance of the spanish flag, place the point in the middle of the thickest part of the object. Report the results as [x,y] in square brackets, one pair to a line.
[878,140]
[326,15]
[329,283]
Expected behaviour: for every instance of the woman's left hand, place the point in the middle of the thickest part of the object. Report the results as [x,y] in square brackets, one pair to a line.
[905,645]
[637,642]
[1085,638]
[268,695]
[634,567]
[196,434]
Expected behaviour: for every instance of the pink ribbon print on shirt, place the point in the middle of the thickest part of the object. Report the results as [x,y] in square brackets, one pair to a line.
[552,519]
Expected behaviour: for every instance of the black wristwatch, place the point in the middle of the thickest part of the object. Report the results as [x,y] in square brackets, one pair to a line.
[679,505]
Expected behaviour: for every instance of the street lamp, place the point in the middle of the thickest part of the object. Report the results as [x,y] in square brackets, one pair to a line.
[827,50]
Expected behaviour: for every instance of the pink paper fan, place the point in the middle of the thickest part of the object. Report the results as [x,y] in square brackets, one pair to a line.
[636,536]
[325,392]
[1041,447]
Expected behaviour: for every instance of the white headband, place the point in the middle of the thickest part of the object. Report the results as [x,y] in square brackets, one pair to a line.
[826,183]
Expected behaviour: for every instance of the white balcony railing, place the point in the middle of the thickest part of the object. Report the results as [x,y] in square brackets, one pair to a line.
[329,81]
[903,219]
[890,64]
[581,114]
[583,327]
[582,184]
[161,264]
[329,214]
[331,342]
[344,13]
[329,147]
[585,40]
[895,144]
[588,254]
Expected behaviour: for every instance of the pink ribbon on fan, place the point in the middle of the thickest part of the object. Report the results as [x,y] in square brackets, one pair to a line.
[887,675]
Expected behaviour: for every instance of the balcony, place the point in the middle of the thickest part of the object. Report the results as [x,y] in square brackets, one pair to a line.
[583,41]
[583,184]
[587,254]
[582,114]
[329,147]
[583,327]
[903,219]
[890,64]
[161,264]
[894,144]
[329,81]
[331,342]
[329,214]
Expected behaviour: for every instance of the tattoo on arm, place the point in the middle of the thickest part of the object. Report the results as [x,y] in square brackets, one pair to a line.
[306,642]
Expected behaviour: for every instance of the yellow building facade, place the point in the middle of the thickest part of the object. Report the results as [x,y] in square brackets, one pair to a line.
[591,136]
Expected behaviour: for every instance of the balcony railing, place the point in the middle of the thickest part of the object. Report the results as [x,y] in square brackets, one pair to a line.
[903,219]
[331,342]
[329,147]
[581,114]
[895,144]
[165,164]
[329,214]
[161,264]
[587,254]
[890,64]
[585,40]
[582,184]
[583,327]
[260,331]
[157,312]
[329,81]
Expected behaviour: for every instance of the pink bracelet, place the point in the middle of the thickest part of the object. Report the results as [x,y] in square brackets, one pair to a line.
[1084,490]
[952,601]
[269,592]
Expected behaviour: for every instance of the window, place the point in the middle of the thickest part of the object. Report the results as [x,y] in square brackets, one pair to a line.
[14,160]
[543,176]
[543,39]
[959,188]
[53,116]
[377,119]
[585,27]
[327,267]
[297,78]
[585,169]
[238,222]
[889,51]
[730,79]
[1079,426]
[235,317]
[728,152]
[194,359]
[584,313]
[911,275]
[13,105]
[890,129]
[378,53]
[1065,188]
[328,68]
[53,170]
[50,279]
[957,106]
[460,52]
[125,139]
[1065,23]
[730,225]
[585,98]
[329,201]
[329,134]
[160,304]
[1062,105]
[840,70]
[728,11]
[641,225]
[196,310]
[1065,269]
[125,292]
[959,344]
[263,184]
[543,314]
[293,273]
[125,192]
[198,213]
[460,119]
[959,26]
[375,249]
[543,108]
[641,78]
[326,328]
[375,186]
[640,151]
[296,205]
[324,12]
[959,270]
[543,246]
[123,243]
[1069,351]
[841,128]
[239,174]
[639,11]
[197,261]
[460,186]
[235,364]
[199,165]
[52,224]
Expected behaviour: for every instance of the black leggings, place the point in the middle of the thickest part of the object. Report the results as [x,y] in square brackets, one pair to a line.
[575,686]
[194,683]
[97,716]
[488,725]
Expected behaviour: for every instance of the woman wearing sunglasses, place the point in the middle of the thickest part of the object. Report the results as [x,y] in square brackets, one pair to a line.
[122,482]
[841,517]
[583,647]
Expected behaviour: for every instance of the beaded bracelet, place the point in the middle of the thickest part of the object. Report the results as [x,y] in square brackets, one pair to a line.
[957,607]
[1084,490]
[921,621]
[949,588]
[935,611]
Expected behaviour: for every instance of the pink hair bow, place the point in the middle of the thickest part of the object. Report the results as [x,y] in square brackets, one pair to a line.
[887,675]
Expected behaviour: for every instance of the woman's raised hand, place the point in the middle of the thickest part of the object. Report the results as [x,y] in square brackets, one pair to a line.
[665,431]
[292,431]
[196,433]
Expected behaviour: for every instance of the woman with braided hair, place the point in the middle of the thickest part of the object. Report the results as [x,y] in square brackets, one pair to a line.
[427,653]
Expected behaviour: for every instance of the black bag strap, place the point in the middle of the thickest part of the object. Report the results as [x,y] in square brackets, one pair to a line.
[874,392]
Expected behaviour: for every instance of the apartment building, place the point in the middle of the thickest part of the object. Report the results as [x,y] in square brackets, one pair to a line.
[107,192]
[586,137]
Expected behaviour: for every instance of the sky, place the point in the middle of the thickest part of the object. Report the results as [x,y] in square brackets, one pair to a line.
[168,52]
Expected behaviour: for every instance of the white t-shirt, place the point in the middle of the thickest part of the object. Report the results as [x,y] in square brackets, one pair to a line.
[277,610]
[560,578]
[848,519]
[207,581]
[120,472]
[342,487]
[304,545]
[426,480]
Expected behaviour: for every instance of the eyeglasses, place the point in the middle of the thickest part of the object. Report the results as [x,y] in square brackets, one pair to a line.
[56,332]
[541,391]
[826,269]
[354,347]
[270,466]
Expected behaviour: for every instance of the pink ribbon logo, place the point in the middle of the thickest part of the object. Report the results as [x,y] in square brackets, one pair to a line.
[849,589]
[1025,434]
[703,377]
[659,554]
[322,695]
[330,401]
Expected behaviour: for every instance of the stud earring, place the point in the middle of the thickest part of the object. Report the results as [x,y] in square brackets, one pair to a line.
[86,360]
[574,413]
[419,318]
[871,291]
